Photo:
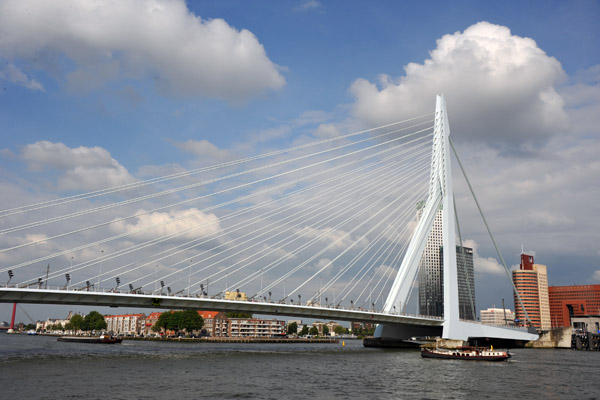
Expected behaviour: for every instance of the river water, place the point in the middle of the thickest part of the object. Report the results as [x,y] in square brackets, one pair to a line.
[38,367]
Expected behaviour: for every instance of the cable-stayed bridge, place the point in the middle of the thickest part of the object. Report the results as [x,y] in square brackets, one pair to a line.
[323,229]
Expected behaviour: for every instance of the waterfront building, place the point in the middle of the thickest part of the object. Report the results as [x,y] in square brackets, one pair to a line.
[215,323]
[360,326]
[330,325]
[127,324]
[254,327]
[571,301]
[149,322]
[586,323]
[497,316]
[46,325]
[431,274]
[531,282]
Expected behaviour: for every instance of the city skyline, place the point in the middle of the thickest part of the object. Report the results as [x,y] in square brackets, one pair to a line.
[84,110]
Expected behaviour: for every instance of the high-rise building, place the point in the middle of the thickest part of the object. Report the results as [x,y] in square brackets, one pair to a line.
[531,282]
[572,301]
[431,289]
[431,274]
[466,281]
[497,316]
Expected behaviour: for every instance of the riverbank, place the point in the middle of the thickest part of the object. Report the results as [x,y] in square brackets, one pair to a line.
[233,340]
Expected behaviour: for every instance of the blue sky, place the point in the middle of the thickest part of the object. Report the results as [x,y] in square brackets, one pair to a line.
[313,65]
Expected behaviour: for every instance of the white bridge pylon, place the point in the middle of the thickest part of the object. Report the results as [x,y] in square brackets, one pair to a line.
[440,194]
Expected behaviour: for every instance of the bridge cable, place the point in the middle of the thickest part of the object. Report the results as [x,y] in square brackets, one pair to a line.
[135,185]
[490,232]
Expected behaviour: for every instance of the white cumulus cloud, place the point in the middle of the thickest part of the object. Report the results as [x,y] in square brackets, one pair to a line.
[336,238]
[196,224]
[112,39]
[484,265]
[500,88]
[82,167]
[205,150]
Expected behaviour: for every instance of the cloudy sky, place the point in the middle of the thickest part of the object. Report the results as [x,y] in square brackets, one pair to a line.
[96,94]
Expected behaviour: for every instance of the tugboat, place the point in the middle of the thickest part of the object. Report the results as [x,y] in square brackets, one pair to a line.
[466,353]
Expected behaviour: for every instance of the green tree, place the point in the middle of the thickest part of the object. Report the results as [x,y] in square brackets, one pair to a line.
[304,331]
[30,326]
[94,321]
[340,330]
[76,322]
[190,320]
[314,331]
[325,330]
[165,321]
[57,327]
[292,328]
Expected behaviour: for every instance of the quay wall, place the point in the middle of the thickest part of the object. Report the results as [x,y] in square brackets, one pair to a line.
[556,338]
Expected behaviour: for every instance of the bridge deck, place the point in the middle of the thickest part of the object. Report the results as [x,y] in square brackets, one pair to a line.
[111,299]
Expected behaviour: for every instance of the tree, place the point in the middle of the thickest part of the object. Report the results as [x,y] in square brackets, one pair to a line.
[165,321]
[188,320]
[292,328]
[94,321]
[314,331]
[340,330]
[304,331]
[325,330]
[76,322]
[57,327]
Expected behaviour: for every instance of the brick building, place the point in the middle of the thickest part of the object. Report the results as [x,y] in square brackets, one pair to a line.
[215,323]
[151,319]
[573,301]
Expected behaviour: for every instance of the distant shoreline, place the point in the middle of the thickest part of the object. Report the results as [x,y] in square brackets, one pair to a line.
[234,340]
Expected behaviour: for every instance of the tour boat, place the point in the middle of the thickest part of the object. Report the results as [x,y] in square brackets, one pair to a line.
[466,353]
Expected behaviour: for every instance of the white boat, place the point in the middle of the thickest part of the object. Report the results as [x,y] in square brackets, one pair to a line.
[466,353]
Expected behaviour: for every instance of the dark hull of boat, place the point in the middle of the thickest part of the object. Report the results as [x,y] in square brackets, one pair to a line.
[84,339]
[429,354]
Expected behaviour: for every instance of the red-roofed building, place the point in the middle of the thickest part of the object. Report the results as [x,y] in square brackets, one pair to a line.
[128,324]
[150,321]
[215,323]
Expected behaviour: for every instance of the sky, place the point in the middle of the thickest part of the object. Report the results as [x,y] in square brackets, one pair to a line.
[95,94]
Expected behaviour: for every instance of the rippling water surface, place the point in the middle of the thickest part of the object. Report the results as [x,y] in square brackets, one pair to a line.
[38,367]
